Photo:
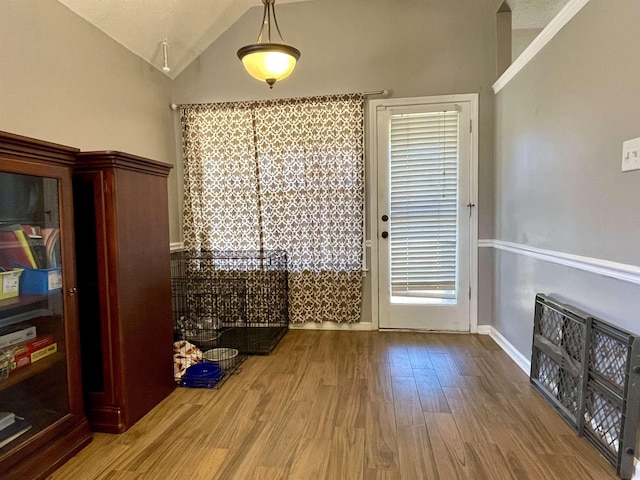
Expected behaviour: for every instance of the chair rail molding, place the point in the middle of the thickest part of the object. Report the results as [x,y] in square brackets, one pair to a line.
[620,271]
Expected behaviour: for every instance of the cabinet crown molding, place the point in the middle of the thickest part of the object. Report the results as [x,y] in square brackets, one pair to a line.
[17,146]
[115,159]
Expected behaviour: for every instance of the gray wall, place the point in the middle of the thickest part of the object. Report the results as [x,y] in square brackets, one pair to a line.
[520,39]
[64,81]
[412,47]
[560,124]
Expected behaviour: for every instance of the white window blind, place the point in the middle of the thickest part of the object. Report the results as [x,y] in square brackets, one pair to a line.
[424,197]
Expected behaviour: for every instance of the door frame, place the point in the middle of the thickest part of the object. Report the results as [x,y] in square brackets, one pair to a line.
[372,196]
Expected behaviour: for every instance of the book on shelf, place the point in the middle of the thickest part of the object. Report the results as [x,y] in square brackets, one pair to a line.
[36,244]
[11,251]
[23,244]
[32,230]
[14,430]
[16,334]
[51,238]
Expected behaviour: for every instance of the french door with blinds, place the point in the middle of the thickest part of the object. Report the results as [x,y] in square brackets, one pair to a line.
[425,210]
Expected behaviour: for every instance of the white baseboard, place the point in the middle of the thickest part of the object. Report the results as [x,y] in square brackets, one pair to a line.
[359,327]
[523,362]
[484,329]
[176,246]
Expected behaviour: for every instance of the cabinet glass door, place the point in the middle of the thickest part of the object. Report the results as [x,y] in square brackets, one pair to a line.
[33,370]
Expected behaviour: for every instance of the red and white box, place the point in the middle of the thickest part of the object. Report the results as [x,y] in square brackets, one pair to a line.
[30,352]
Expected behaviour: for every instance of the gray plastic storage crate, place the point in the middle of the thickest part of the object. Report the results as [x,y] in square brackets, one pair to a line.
[613,394]
[589,371]
[558,357]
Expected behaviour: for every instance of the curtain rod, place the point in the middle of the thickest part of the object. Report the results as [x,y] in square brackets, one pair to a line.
[385,92]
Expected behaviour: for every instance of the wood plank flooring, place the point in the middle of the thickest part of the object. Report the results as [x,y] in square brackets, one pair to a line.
[351,406]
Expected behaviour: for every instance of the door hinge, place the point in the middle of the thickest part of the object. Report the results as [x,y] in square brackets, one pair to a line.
[469,293]
[470,126]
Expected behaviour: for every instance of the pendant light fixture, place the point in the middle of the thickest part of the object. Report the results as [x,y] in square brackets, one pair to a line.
[265,60]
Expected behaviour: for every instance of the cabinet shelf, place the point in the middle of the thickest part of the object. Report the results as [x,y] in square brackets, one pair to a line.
[23,308]
[21,374]
[41,421]
[22,301]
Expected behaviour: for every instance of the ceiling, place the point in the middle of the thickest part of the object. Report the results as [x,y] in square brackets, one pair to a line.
[190,26]
[533,14]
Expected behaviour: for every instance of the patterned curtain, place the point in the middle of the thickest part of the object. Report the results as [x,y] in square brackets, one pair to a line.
[283,174]
[220,183]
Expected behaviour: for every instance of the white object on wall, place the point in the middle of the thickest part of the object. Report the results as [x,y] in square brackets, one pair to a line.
[631,155]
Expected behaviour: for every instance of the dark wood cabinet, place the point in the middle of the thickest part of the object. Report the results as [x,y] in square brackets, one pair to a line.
[41,394]
[124,286]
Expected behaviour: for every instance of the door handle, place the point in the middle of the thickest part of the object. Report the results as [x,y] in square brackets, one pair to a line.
[385,218]
[384,234]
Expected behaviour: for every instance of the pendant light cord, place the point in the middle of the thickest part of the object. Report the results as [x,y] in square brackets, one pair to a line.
[265,20]
[268,13]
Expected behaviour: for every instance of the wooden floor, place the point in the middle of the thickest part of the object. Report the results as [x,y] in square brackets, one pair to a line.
[349,406]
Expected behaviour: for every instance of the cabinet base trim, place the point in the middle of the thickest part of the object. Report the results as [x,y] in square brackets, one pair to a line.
[107,418]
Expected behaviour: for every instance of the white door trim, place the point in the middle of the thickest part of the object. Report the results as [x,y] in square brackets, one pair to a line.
[372,194]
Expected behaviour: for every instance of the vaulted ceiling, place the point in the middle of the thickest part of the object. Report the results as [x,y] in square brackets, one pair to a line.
[190,26]
[534,14]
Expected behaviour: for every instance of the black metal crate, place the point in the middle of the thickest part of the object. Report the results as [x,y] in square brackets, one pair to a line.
[237,299]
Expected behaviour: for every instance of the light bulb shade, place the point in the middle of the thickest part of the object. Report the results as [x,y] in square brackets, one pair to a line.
[269,62]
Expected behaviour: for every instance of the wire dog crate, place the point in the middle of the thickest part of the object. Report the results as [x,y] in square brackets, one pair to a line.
[231,299]
[589,371]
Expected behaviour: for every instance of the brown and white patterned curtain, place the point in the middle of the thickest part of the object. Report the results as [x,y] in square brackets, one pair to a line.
[282,174]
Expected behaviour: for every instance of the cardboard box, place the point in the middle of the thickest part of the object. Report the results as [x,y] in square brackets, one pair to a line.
[22,352]
[30,353]
[17,334]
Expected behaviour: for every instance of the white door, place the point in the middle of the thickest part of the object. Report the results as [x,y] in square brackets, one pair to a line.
[425,209]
